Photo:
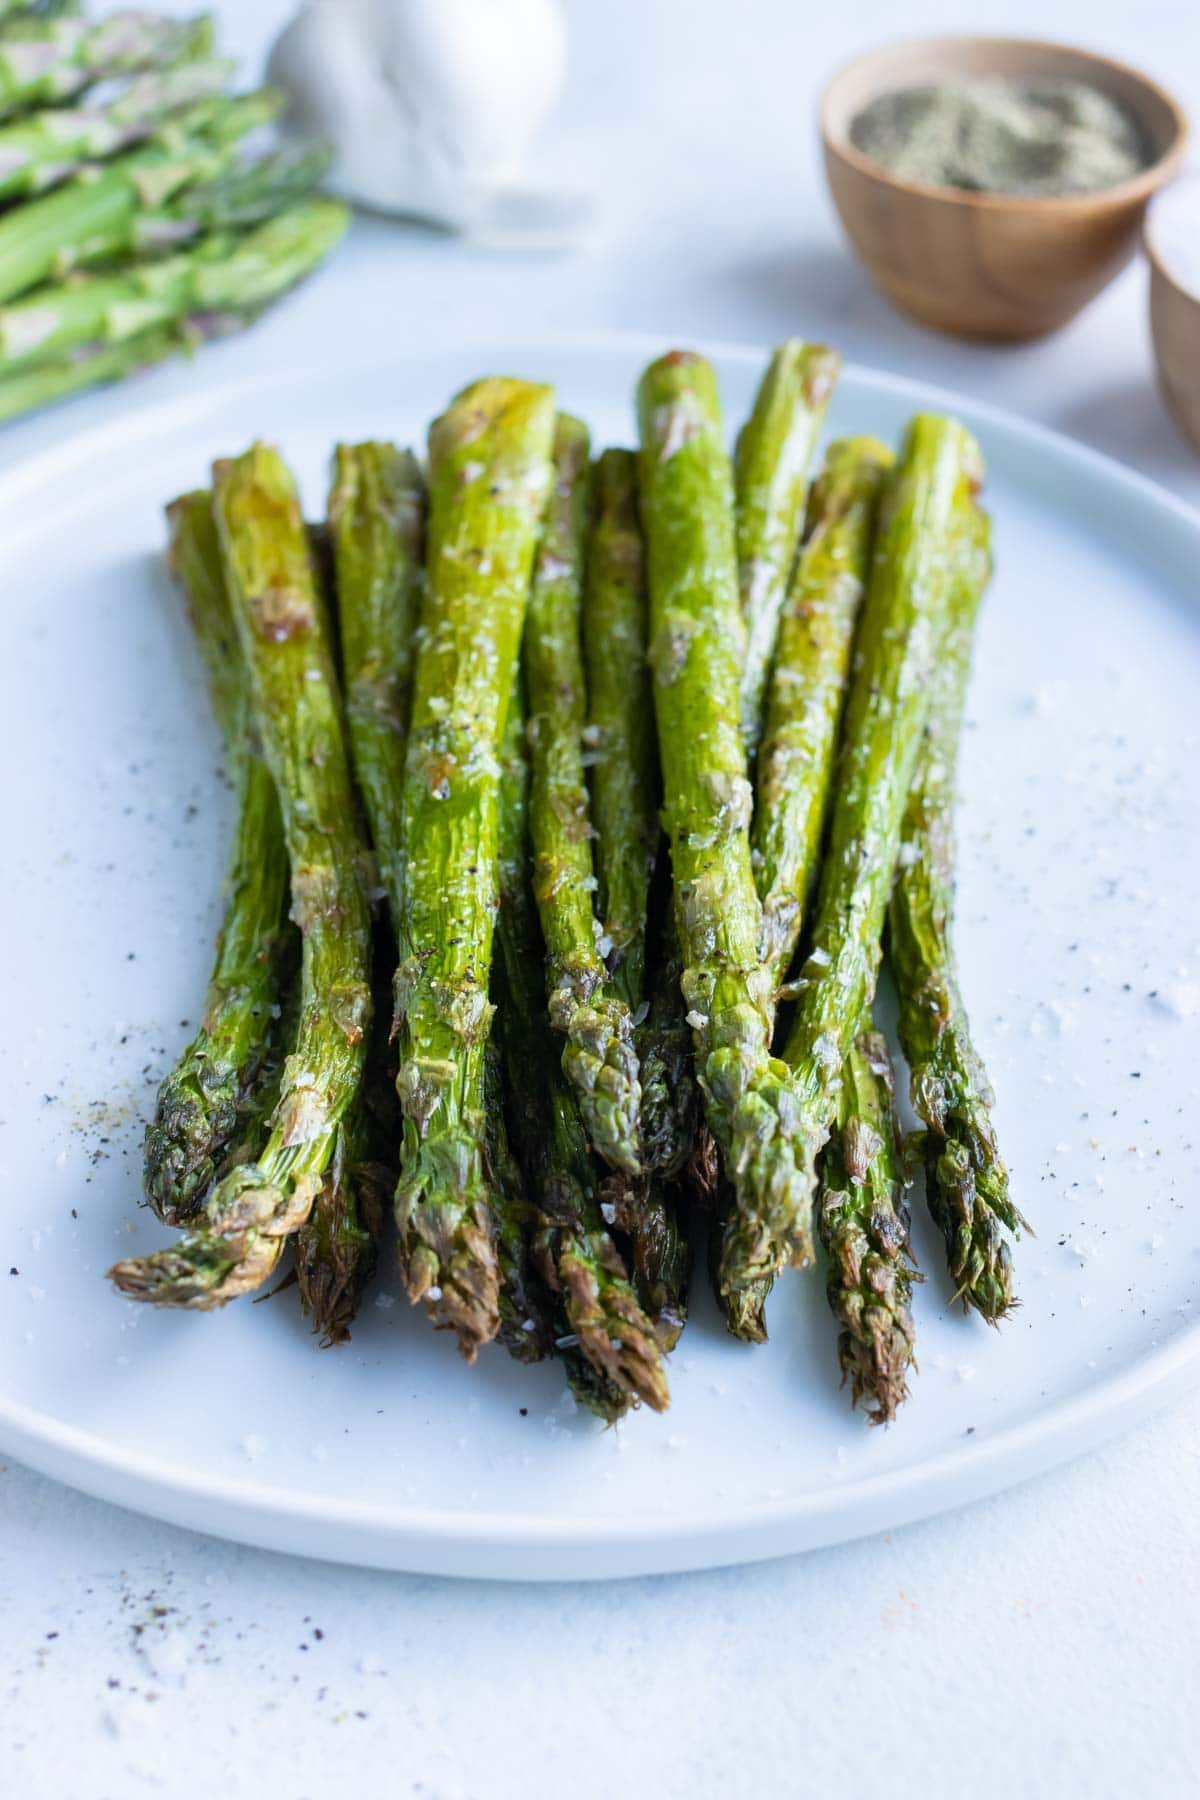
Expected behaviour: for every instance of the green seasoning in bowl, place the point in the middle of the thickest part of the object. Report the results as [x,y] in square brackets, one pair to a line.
[1041,139]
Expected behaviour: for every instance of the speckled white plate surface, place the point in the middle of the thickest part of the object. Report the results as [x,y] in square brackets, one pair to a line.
[1080,828]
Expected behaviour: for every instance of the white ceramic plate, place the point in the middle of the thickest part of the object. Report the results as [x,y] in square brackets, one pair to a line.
[1081,958]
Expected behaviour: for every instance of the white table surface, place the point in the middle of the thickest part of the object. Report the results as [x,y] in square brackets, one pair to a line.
[1042,1643]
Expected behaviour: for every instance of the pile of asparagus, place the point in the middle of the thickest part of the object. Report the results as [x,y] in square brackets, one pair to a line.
[649,758]
[133,223]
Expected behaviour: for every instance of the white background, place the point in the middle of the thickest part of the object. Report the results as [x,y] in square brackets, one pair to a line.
[1043,1643]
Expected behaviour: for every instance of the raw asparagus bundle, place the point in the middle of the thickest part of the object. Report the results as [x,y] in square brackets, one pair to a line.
[48,60]
[203,1103]
[966,1181]
[599,1058]
[130,204]
[261,1203]
[583,1266]
[863,1222]
[221,275]
[774,452]
[807,690]
[489,474]
[903,626]
[41,149]
[686,491]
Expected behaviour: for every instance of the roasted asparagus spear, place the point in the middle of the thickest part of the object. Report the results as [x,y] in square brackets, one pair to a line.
[774,451]
[203,1102]
[686,490]
[583,1265]
[966,1181]
[903,626]
[599,1058]
[489,474]
[807,690]
[863,1222]
[281,626]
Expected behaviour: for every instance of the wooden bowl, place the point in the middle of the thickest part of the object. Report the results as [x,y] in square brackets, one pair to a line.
[990,265]
[1175,321]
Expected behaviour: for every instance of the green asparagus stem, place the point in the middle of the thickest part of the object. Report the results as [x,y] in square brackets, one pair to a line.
[202,1104]
[74,373]
[239,196]
[44,148]
[671,1103]
[337,1248]
[774,451]
[695,628]
[863,1222]
[620,730]
[489,457]
[527,1328]
[582,1264]
[624,790]
[297,714]
[903,625]
[599,1057]
[807,690]
[53,59]
[377,530]
[220,275]
[966,1181]
[122,207]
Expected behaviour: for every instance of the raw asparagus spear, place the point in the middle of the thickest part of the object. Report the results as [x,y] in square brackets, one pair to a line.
[774,451]
[686,492]
[122,206]
[582,1264]
[966,1181]
[900,636]
[489,474]
[44,148]
[202,1103]
[599,1057]
[863,1222]
[297,714]
[43,61]
[40,385]
[807,690]
[620,731]
[377,530]
[221,275]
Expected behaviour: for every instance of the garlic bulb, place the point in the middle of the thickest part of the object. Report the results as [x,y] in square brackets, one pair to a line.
[432,105]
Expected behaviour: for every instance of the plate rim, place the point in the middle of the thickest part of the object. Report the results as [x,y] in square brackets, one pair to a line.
[548,1547]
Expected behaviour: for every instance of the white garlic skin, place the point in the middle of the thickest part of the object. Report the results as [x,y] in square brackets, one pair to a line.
[432,105]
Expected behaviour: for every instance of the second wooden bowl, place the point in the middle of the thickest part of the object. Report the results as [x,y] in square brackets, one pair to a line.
[990,265]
